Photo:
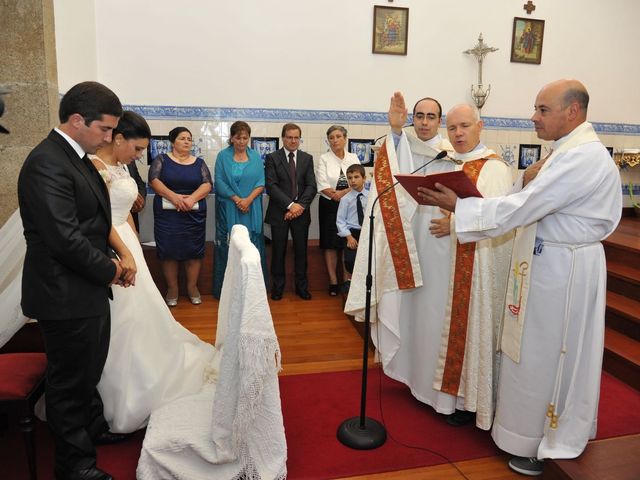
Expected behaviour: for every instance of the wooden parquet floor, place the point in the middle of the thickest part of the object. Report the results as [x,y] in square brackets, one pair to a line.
[316,336]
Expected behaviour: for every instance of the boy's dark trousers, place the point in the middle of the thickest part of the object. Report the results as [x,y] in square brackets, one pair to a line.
[350,254]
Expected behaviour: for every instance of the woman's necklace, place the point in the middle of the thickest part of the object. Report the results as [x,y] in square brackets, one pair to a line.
[240,156]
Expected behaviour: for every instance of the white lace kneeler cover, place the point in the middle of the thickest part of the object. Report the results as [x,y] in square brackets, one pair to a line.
[233,429]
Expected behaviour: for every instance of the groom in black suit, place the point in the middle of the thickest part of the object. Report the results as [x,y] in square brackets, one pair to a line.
[291,186]
[68,270]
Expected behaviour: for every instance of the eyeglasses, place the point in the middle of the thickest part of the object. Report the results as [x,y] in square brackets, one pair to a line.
[421,116]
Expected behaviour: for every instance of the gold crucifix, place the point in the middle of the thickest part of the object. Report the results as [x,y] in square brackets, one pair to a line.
[529,7]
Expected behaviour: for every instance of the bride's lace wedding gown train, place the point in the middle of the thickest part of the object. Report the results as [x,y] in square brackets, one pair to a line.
[152,359]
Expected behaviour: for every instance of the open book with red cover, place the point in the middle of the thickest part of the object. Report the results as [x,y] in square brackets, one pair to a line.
[456,181]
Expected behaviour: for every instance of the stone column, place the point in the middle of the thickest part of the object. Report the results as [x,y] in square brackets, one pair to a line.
[28,69]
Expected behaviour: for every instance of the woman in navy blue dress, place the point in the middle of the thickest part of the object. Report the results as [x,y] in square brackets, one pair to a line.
[181,182]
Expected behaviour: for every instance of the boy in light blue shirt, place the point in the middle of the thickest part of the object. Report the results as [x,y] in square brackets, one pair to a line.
[350,217]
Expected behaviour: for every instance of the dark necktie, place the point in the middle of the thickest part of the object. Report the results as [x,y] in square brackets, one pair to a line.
[91,168]
[360,209]
[88,164]
[292,174]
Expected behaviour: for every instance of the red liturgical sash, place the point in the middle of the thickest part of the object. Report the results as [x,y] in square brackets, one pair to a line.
[463,274]
[393,222]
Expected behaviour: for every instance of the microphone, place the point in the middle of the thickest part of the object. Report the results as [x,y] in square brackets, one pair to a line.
[439,156]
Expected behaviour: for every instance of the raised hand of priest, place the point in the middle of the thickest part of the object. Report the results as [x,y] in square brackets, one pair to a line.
[398,113]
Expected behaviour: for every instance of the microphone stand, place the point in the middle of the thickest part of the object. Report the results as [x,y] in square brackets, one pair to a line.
[362,432]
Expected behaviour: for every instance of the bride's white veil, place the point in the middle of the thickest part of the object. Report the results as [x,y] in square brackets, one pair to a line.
[12,251]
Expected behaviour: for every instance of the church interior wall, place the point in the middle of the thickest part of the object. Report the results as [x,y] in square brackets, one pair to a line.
[206,64]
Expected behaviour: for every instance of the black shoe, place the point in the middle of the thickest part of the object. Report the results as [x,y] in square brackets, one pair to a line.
[460,418]
[346,286]
[275,296]
[107,438]
[303,294]
[91,473]
[334,288]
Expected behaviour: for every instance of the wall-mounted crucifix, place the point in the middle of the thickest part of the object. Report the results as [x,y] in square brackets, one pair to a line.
[480,92]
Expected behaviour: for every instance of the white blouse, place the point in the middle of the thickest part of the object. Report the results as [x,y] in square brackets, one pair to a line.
[329,167]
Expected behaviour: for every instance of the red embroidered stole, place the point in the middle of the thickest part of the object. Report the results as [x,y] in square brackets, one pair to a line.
[393,222]
[461,298]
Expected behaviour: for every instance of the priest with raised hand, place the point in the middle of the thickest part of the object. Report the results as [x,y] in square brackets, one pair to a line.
[416,288]
[563,207]
[402,245]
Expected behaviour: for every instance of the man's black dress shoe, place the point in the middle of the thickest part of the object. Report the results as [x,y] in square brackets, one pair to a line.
[276,296]
[460,418]
[107,438]
[92,473]
[303,294]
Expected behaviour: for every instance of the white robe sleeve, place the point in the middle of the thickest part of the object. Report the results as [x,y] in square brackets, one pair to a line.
[573,175]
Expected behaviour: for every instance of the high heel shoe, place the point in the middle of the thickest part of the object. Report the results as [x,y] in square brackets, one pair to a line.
[196,299]
[171,302]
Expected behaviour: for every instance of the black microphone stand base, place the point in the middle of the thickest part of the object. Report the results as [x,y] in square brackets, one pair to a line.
[351,434]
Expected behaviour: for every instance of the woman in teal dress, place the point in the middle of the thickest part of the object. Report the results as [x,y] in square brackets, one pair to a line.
[238,186]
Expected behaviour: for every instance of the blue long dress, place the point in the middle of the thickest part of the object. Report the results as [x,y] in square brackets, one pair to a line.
[236,178]
[179,235]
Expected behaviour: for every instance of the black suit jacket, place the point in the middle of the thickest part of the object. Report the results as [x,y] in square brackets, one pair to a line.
[66,217]
[278,183]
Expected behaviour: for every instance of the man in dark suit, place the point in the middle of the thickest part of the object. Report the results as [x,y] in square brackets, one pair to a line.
[291,186]
[68,270]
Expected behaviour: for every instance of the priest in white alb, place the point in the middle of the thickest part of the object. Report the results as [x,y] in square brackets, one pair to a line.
[563,207]
[415,294]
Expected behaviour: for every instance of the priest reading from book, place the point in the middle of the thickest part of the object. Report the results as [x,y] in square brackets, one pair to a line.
[438,303]
[563,206]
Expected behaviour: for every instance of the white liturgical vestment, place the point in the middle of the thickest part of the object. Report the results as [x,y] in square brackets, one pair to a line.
[408,333]
[576,201]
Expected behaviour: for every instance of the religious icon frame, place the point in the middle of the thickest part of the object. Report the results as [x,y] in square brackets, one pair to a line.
[272,145]
[390,41]
[362,148]
[157,144]
[534,31]
[528,155]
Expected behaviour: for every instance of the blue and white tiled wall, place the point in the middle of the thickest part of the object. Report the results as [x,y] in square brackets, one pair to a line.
[210,128]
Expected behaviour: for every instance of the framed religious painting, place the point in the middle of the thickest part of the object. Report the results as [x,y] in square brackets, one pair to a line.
[529,154]
[158,144]
[526,40]
[390,30]
[362,149]
[265,145]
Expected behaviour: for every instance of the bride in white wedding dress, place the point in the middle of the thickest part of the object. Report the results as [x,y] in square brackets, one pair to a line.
[152,359]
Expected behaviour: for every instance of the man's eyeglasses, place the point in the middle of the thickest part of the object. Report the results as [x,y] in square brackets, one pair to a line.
[422,116]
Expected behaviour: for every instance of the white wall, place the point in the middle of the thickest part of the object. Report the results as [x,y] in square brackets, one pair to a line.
[317,55]
[75,27]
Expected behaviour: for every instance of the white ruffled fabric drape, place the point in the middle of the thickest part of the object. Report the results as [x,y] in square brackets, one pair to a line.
[12,250]
[233,429]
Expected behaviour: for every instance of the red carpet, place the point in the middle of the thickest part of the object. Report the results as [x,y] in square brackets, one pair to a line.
[314,405]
